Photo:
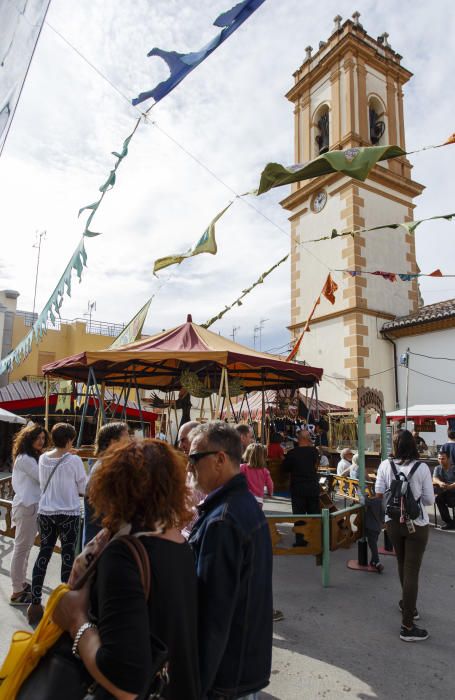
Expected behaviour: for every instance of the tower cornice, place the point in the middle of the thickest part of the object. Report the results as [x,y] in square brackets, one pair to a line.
[350,42]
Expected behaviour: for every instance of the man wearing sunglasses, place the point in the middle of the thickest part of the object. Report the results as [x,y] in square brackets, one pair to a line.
[233,551]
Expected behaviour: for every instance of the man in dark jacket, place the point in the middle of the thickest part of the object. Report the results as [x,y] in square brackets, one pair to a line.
[302,462]
[232,546]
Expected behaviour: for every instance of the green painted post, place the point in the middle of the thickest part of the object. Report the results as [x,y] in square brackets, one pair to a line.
[325,547]
[361,452]
[384,454]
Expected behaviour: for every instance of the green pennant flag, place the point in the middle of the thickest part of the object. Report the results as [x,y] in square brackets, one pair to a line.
[355,162]
[133,330]
[206,244]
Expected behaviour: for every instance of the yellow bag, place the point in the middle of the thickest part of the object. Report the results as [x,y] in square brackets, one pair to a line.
[27,648]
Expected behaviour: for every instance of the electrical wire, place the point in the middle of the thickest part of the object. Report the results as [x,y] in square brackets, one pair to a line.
[431,357]
[436,379]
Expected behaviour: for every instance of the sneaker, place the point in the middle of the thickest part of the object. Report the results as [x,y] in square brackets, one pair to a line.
[448,526]
[415,634]
[277,616]
[22,598]
[416,615]
[27,587]
[35,612]
[378,566]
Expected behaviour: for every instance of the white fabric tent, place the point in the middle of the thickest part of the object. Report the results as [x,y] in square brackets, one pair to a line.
[8,417]
[444,411]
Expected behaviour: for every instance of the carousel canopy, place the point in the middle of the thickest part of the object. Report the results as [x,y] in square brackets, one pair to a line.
[158,361]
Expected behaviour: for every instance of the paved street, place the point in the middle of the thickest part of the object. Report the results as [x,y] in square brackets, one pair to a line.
[341,641]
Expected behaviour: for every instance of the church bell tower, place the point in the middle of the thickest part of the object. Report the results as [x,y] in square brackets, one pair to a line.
[350,94]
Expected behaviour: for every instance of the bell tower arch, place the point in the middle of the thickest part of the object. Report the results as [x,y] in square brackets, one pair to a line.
[350,94]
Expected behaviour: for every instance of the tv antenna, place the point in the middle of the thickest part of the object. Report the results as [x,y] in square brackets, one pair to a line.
[37,244]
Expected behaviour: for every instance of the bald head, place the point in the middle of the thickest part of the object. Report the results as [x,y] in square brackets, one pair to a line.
[304,438]
[183,440]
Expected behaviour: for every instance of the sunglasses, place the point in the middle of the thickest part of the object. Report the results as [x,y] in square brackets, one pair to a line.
[194,457]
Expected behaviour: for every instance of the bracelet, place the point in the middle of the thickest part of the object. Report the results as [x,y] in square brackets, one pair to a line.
[83,628]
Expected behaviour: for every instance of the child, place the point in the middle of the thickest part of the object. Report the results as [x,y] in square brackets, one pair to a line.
[257,476]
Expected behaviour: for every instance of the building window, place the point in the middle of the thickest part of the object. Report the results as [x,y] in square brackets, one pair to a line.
[323,126]
[376,121]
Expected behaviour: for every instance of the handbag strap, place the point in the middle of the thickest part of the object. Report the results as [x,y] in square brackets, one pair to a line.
[53,471]
[142,560]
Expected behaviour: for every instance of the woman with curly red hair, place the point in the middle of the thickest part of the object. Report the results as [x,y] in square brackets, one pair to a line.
[139,488]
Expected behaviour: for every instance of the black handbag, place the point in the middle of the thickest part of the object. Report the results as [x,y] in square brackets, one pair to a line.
[60,675]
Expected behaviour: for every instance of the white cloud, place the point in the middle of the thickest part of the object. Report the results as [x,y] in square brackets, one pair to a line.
[231,114]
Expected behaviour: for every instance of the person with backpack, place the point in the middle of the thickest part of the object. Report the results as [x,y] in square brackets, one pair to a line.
[405,484]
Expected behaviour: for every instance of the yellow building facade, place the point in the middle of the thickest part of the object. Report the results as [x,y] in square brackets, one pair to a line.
[69,338]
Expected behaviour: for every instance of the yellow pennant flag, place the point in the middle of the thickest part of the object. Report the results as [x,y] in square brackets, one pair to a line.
[133,330]
[206,244]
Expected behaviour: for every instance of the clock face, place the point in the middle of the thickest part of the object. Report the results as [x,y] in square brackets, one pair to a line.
[319,201]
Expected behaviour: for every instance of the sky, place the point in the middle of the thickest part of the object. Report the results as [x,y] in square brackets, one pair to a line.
[208,139]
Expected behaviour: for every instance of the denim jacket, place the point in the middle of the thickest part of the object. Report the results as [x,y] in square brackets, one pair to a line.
[233,551]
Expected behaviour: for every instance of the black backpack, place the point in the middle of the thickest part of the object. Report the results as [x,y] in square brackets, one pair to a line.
[400,504]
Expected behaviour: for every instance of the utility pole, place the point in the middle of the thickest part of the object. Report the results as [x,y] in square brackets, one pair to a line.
[37,244]
[91,306]
[404,362]
[234,331]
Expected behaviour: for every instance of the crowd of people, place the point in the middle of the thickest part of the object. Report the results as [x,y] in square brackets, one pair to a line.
[198,511]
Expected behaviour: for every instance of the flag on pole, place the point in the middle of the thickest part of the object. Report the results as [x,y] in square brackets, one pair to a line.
[355,162]
[206,244]
[134,328]
[181,64]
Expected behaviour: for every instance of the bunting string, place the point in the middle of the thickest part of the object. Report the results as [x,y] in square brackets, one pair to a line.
[238,301]
[392,276]
[52,309]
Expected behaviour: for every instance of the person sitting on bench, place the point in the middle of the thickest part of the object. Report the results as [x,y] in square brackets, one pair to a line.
[444,485]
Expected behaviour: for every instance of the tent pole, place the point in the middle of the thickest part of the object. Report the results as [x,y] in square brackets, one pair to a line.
[263,417]
[220,390]
[317,401]
[228,398]
[139,405]
[84,410]
[251,417]
[101,414]
[46,411]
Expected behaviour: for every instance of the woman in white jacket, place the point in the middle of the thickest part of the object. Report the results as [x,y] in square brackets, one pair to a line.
[28,445]
[62,482]
[409,537]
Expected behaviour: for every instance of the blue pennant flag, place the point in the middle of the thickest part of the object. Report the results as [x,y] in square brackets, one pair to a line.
[180,64]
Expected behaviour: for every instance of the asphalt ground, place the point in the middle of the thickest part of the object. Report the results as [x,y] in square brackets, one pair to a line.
[341,641]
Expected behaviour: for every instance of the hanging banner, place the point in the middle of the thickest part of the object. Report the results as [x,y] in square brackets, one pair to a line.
[355,162]
[51,310]
[181,64]
[206,244]
[133,330]
[21,23]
